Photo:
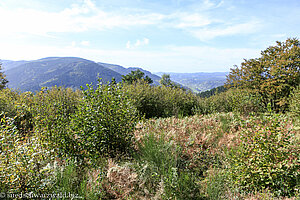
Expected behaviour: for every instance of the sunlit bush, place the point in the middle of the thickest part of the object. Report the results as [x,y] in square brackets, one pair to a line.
[233,100]
[51,110]
[267,157]
[23,161]
[161,101]
[104,123]
[294,105]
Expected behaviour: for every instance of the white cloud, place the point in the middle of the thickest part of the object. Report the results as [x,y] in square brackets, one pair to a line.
[85,43]
[87,16]
[77,18]
[138,43]
[188,20]
[236,29]
[168,59]
[73,44]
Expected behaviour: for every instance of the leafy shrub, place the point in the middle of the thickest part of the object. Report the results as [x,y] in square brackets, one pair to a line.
[23,161]
[104,123]
[266,157]
[233,100]
[294,106]
[161,101]
[221,102]
[13,104]
[51,110]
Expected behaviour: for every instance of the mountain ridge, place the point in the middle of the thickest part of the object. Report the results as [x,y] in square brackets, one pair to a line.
[75,72]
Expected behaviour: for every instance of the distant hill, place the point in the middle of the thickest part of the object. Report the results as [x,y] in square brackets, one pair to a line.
[199,82]
[75,72]
[8,64]
[61,71]
[123,71]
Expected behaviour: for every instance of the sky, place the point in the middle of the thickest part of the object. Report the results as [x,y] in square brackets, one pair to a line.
[157,35]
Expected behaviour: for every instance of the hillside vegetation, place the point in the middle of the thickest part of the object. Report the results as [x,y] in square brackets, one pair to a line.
[132,140]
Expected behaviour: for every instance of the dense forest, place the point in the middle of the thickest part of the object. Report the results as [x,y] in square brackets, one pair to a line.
[134,140]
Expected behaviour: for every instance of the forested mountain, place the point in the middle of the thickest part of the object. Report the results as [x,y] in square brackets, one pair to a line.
[75,72]
[61,71]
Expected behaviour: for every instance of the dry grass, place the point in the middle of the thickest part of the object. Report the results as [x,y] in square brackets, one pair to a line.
[121,180]
[194,134]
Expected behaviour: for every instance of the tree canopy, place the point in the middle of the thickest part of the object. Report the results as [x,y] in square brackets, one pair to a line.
[166,81]
[273,75]
[3,80]
[135,76]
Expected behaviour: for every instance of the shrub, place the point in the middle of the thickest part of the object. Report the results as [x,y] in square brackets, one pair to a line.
[294,106]
[13,104]
[51,110]
[234,100]
[161,101]
[23,161]
[266,157]
[104,123]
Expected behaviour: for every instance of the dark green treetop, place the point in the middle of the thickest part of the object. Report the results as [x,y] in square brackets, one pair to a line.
[134,76]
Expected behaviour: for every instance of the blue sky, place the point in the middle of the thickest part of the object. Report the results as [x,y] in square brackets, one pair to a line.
[157,35]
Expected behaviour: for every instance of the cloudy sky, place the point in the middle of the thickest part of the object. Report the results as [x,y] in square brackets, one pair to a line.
[157,35]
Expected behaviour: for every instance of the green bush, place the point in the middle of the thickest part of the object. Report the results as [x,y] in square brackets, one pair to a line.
[52,110]
[267,157]
[13,104]
[161,101]
[294,105]
[233,100]
[104,123]
[23,161]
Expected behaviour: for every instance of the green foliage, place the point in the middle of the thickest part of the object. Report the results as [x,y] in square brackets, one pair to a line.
[167,82]
[75,180]
[212,92]
[216,184]
[52,110]
[23,161]
[242,101]
[294,106]
[104,123]
[161,101]
[162,171]
[273,75]
[267,157]
[14,105]
[3,80]
[135,76]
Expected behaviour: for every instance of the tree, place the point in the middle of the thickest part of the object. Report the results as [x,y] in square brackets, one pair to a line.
[166,81]
[272,76]
[3,80]
[135,76]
